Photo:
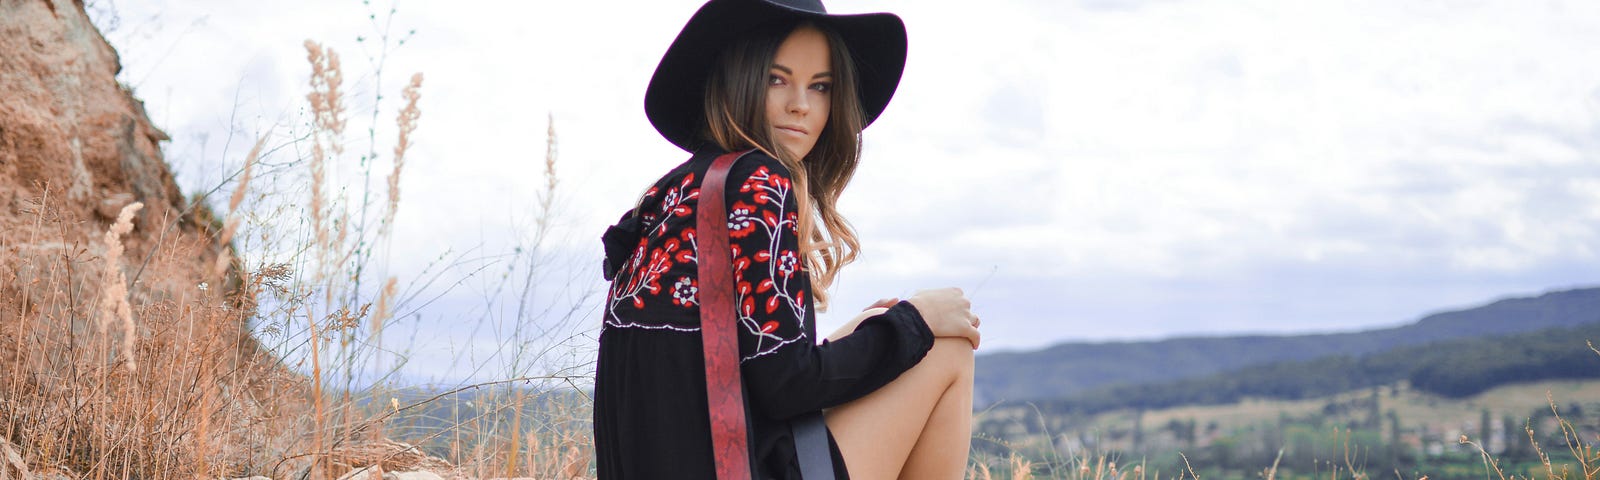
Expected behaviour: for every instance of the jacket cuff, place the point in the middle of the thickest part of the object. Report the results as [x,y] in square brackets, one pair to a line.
[911,337]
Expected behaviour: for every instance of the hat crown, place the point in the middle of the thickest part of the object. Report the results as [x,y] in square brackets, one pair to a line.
[812,6]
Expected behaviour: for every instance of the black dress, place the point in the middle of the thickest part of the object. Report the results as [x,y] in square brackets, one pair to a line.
[650,419]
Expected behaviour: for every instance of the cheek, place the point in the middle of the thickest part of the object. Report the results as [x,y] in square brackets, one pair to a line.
[775,106]
[819,116]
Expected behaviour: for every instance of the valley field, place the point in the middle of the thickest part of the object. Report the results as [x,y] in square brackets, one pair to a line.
[1393,431]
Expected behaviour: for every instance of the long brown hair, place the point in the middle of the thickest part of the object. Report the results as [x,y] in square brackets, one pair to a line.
[735,112]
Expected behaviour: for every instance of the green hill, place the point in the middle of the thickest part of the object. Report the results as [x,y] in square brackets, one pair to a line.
[1450,369]
[1075,368]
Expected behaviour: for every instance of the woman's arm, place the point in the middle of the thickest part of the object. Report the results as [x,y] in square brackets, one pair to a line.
[803,377]
[947,311]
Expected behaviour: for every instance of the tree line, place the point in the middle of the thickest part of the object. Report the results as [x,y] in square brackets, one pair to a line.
[1453,368]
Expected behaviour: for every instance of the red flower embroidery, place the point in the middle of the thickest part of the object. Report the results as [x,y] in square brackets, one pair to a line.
[761,224]
[741,222]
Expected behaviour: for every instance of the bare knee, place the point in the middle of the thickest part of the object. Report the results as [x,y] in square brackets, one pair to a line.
[957,349]
[951,355]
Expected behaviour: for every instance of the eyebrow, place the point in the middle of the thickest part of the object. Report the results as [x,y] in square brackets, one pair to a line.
[791,72]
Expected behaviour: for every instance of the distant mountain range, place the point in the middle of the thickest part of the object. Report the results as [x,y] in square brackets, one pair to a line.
[1073,368]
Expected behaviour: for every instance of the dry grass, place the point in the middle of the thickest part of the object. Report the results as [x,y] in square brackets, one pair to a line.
[247,345]
[504,427]
[174,389]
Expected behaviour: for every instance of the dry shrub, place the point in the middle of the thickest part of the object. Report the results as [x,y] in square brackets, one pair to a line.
[205,400]
[156,349]
[539,431]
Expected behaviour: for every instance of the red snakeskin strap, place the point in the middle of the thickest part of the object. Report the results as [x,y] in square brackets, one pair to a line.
[724,388]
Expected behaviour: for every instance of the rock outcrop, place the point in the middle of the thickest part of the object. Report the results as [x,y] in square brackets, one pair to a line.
[65,122]
[174,385]
[124,347]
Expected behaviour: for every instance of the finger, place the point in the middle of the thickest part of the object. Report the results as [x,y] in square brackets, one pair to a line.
[886,302]
[870,312]
[975,337]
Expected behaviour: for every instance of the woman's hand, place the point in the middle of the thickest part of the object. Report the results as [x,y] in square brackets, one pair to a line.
[875,309]
[948,313]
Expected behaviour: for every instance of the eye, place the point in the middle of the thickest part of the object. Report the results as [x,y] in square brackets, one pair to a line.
[823,87]
[774,80]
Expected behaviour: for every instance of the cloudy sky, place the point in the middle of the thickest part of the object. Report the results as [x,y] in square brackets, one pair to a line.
[1087,170]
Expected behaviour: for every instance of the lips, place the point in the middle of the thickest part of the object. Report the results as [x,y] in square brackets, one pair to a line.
[793,130]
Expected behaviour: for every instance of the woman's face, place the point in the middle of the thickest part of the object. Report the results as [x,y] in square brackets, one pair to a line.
[799,89]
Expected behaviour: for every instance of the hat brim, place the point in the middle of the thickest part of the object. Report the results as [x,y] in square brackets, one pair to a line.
[674,103]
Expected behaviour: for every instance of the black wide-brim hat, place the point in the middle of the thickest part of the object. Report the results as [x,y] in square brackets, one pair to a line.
[675,99]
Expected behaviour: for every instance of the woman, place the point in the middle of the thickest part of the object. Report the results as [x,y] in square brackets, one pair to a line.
[797,85]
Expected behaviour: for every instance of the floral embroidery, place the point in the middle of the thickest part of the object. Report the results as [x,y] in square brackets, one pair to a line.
[741,222]
[683,292]
[762,227]
[645,270]
[788,263]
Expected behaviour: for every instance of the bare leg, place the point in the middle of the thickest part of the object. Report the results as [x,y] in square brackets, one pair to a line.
[918,426]
[947,438]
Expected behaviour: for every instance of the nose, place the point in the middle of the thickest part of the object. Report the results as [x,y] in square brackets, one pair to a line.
[798,103]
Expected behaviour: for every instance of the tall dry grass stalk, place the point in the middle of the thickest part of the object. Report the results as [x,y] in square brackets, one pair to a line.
[327,110]
[406,121]
[318,399]
[547,196]
[386,299]
[327,114]
[114,291]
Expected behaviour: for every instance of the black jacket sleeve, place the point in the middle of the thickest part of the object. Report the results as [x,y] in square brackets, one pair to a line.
[785,371]
[805,377]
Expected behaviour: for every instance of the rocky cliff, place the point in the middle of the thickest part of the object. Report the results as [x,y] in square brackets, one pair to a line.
[116,359]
